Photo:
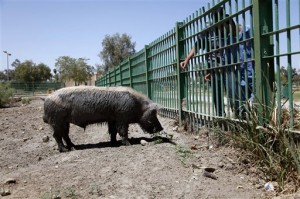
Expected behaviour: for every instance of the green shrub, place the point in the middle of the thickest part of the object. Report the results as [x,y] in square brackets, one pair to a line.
[5,94]
[26,100]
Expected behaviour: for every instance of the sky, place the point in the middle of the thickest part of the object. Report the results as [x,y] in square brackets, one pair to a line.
[44,30]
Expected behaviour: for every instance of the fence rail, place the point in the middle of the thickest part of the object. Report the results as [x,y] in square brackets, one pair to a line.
[252,43]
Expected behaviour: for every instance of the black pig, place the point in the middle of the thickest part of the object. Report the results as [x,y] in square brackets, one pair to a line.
[84,105]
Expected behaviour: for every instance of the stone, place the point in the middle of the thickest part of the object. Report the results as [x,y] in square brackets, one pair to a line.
[144,142]
[45,138]
[10,181]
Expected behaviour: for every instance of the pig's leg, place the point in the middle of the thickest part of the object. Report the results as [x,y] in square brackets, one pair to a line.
[113,132]
[58,132]
[123,132]
[66,136]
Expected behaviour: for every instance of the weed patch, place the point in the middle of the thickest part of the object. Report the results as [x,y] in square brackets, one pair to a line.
[270,144]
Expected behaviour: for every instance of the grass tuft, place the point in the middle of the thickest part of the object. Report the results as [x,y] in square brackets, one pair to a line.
[269,143]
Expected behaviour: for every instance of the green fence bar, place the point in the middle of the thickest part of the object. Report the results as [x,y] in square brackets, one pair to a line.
[148,92]
[264,65]
[289,63]
[179,76]
[138,72]
[125,73]
[277,51]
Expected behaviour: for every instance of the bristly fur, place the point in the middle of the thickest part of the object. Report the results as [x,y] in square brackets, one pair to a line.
[86,105]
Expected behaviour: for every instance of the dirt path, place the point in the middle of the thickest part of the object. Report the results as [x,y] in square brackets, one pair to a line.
[31,166]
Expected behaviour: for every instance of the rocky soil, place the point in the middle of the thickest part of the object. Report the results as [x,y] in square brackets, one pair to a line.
[186,166]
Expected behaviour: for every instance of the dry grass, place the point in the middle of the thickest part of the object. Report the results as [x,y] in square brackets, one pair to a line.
[271,145]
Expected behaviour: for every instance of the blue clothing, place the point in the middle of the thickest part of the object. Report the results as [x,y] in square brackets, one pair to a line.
[243,49]
[211,42]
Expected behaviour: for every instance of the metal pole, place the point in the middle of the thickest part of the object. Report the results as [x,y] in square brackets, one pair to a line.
[7,55]
[180,76]
[264,49]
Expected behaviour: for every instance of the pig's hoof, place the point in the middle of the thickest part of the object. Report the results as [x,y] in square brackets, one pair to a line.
[126,143]
[63,149]
[71,147]
[113,143]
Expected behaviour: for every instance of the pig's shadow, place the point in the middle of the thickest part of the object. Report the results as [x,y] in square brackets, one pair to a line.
[132,141]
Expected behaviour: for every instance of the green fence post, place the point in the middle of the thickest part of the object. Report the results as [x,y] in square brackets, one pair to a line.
[115,74]
[130,72]
[120,71]
[147,72]
[289,62]
[264,67]
[108,78]
[180,77]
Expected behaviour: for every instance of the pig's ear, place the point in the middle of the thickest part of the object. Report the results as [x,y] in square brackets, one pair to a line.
[148,105]
[155,106]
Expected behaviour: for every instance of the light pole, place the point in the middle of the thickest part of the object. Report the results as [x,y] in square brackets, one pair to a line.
[8,54]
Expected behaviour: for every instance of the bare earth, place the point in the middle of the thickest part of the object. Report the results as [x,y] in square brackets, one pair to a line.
[32,167]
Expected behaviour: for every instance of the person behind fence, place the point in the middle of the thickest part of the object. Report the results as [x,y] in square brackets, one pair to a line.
[243,72]
[215,39]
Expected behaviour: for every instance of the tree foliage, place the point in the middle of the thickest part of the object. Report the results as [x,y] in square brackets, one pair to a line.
[99,70]
[284,75]
[115,49]
[3,76]
[73,69]
[28,71]
[16,63]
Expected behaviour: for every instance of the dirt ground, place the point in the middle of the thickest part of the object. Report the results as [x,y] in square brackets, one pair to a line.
[32,167]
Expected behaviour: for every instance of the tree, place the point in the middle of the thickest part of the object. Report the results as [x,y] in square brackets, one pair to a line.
[296,76]
[24,71]
[99,70]
[28,71]
[73,69]
[16,63]
[3,76]
[42,73]
[283,75]
[55,74]
[115,49]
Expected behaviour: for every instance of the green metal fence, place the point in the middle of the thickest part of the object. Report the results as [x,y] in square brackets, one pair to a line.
[286,34]
[34,88]
[237,42]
